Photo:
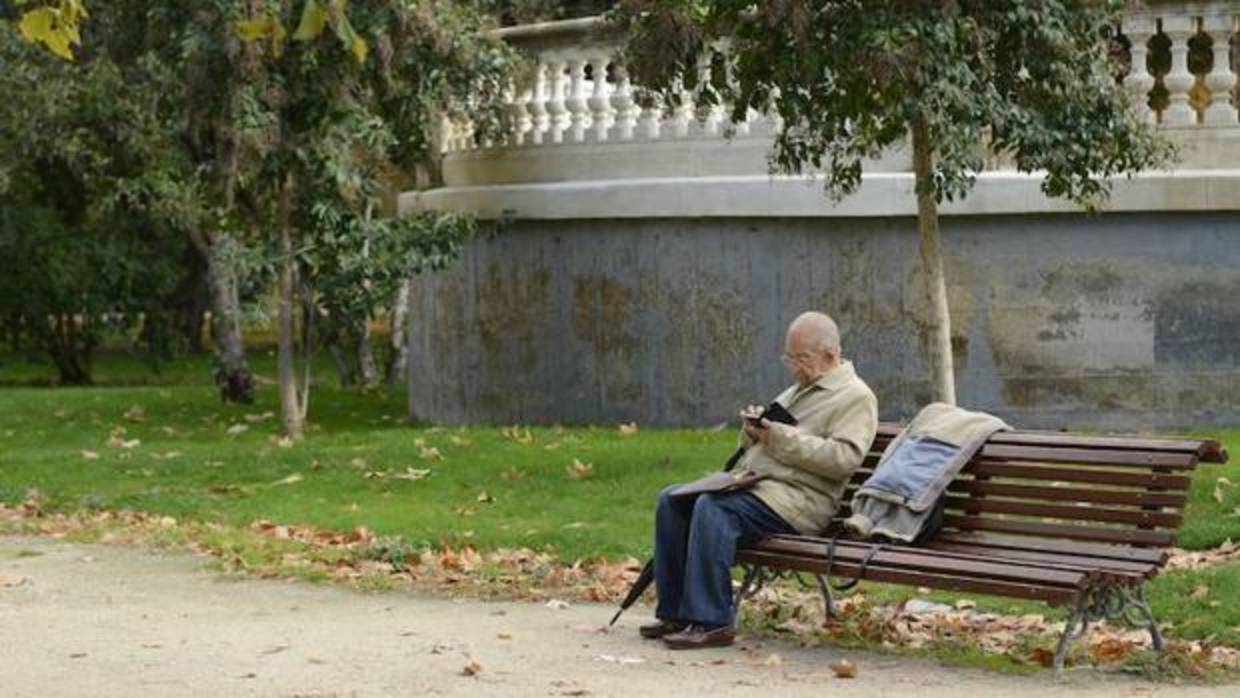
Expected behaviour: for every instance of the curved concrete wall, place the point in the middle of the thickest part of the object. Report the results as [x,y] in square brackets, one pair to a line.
[1119,321]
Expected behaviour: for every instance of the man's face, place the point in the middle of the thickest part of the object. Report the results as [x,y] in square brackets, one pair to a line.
[804,362]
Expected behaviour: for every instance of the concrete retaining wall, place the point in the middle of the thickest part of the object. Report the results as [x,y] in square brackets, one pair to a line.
[1121,321]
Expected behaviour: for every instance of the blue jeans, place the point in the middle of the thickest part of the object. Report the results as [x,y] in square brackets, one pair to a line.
[695,541]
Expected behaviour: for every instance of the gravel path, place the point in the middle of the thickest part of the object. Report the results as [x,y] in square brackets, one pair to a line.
[92,620]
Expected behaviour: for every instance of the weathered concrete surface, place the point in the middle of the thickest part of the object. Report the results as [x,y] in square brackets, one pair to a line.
[107,621]
[1116,321]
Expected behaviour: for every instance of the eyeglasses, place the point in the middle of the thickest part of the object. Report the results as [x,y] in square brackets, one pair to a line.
[795,358]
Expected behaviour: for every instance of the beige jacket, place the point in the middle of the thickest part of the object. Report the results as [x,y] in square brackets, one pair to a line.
[808,466]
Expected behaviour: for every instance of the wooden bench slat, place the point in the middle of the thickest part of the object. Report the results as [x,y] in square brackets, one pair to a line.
[1020,471]
[1069,494]
[977,551]
[1087,533]
[999,541]
[1136,569]
[905,557]
[1056,595]
[975,505]
[1087,456]
[1207,450]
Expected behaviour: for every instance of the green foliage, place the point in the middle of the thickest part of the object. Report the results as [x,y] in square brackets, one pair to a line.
[80,252]
[1031,81]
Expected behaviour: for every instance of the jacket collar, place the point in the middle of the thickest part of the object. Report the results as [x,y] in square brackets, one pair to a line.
[836,378]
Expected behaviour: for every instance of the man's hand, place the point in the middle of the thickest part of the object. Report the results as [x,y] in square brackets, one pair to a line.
[754,433]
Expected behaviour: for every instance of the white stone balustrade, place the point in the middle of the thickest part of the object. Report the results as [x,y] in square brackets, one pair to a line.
[580,94]
[584,140]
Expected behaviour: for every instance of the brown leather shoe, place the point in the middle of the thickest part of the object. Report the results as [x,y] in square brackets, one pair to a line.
[661,628]
[697,637]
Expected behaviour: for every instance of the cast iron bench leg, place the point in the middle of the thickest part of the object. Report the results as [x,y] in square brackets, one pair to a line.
[1108,602]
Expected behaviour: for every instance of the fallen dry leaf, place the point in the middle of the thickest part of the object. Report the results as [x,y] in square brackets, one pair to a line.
[9,581]
[459,441]
[844,669]
[290,480]
[411,474]
[135,413]
[236,429]
[1042,656]
[618,660]
[430,453]
[1110,650]
[485,498]
[521,435]
[578,470]
[472,666]
[557,605]
[1199,592]
[90,455]
[628,429]
[255,418]
[511,474]
[773,660]
[504,636]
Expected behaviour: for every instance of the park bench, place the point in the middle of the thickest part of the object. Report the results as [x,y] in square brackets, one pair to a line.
[1071,520]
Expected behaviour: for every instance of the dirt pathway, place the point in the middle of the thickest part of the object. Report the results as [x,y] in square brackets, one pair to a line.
[91,620]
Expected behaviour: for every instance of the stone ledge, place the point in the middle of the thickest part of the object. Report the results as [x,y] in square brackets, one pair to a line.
[764,196]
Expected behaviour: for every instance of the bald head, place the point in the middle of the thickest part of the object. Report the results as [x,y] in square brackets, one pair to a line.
[819,330]
[812,347]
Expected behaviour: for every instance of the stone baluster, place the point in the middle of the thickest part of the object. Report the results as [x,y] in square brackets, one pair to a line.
[556,108]
[651,121]
[578,108]
[538,105]
[600,101]
[464,134]
[443,135]
[1138,81]
[1179,29]
[742,127]
[682,111]
[1222,79]
[521,122]
[623,106]
[707,113]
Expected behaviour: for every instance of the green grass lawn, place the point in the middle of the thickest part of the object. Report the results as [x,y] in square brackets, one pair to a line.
[486,487]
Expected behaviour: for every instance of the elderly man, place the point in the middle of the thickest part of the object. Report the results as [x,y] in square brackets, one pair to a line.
[805,469]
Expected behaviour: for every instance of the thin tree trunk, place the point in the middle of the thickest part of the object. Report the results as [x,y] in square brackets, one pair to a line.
[291,413]
[938,323]
[340,357]
[71,358]
[232,373]
[367,368]
[398,359]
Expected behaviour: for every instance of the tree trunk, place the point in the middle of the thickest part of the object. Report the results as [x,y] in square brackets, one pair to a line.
[340,357]
[72,360]
[398,359]
[232,372]
[938,323]
[291,412]
[367,368]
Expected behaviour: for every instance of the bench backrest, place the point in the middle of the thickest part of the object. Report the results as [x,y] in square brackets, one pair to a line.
[1074,487]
